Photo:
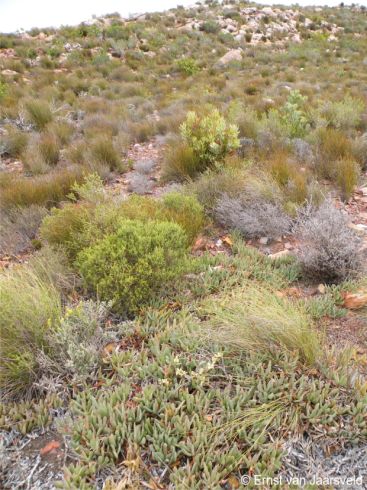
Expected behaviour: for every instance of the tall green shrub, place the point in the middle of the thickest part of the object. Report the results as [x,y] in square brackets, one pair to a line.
[130,266]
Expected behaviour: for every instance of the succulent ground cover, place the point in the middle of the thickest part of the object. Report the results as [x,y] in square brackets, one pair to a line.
[183,218]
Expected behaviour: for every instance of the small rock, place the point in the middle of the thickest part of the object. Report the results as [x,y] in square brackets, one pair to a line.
[264,240]
[50,447]
[231,55]
[321,288]
[279,255]
[288,246]
[201,243]
[355,301]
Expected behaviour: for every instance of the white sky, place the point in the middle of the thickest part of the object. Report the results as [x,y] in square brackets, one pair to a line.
[17,14]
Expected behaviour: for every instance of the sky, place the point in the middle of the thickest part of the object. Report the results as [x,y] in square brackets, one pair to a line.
[25,14]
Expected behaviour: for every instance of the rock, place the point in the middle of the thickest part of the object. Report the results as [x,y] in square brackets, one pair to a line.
[288,246]
[202,243]
[355,301]
[279,255]
[230,56]
[50,447]
[264,240]
[9,73]
[321,288]
[359,228]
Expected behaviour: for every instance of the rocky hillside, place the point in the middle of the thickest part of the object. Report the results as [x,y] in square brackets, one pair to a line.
[183,237]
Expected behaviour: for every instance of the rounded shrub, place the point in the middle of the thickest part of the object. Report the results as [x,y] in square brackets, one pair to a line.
[130,266]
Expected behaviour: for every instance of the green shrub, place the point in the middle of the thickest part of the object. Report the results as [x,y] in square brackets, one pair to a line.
[294,116]
[210,137]
[77,226]
[343,114]
[130,266]
[39,113]
[210,27]
[188,66]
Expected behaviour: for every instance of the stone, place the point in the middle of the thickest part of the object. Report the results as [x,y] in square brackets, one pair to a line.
[9,72]
[355,301]
[230,56]
[264,240]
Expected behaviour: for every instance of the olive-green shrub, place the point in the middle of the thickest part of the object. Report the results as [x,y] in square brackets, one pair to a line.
[79,225]
[130,266]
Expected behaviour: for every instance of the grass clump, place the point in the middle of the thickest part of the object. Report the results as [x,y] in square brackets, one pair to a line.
[180,163]
[39,113]
[49,148]
[130,266]
[254,319]
[44,190]
[13,143]
[103,152]
[29,305]
[347,173]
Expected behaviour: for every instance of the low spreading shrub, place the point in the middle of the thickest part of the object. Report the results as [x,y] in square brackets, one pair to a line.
[343,114]
[140,184]
[252,218]
[78,225]
[75,344]
[329,249]
[130,266]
